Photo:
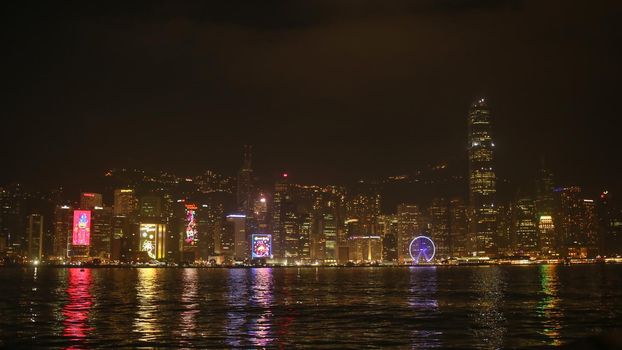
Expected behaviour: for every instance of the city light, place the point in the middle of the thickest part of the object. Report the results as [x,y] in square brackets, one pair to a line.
[81,227]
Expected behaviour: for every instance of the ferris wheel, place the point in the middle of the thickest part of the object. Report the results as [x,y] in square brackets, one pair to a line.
[422,249]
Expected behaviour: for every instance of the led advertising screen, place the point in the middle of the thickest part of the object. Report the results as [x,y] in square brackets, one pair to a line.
[148,239]
[191,225]
[261,246]
[81,234]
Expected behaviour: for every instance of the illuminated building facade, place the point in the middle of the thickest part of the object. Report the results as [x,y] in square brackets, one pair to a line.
[240,241]
[365,248]
[152,240]
[150,207]
[189,238]
[482,180]
[365,209]
[439,215]
[458,227]
[90,200]
[11,221]
[245,189]
[81,233]
[409,225]
[610,218]
[101,232]
[125,202]
[261,246]
[546,231]
[63,219]
[280,200]
[577,223]
[525,227]
[34,236]
[388,229]
[327,237]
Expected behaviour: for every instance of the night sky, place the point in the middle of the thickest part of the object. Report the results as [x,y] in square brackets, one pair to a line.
[327,90]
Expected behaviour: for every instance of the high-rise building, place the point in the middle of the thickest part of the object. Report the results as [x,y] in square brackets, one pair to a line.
[388,225]
[279,204]
[577,223]
[525,227]
[409,226]
[101,232]
[241,250]
[89,200]
[547,239]
[245,183]
[326,244]
[152,241]
[458,227]
[505,229]
[439,214]
[545,187]
[63,221]
[34,234]
[150,207]
[610,219]
[125,202]
[482,180]
[12,235]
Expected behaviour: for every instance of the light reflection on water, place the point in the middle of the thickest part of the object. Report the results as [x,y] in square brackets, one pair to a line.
[422,307]
[548,307]
[76,311]
[261,297]
[146,324]
[488,319]
[189,305]
[422,300]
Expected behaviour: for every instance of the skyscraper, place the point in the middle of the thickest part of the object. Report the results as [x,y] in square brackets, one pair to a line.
[125,202]
[458,226]
[241,250]
[245,183]
[101,234]
[577,223]
[409,226]
[89,201]
[279,204]
[63,215]
[34,234]
[482,180]
[440,233]
[525,227]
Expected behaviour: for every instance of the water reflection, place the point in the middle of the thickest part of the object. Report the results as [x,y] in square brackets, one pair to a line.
[489,321]
[190,305]
[76,311]
[548,307]
[237,298]
[422,300]
[249,300]
[146,323]
[262,295]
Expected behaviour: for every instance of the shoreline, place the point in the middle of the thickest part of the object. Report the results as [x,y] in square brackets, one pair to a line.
[93,266]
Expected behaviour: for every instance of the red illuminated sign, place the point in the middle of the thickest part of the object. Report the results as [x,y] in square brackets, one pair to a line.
[81,234]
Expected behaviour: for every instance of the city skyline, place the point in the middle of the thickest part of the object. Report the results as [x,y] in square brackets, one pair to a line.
[311,174]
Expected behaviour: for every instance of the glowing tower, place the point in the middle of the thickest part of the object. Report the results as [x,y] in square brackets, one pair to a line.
[482,180]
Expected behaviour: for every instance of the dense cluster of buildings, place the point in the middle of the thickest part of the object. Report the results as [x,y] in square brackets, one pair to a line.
[216,219]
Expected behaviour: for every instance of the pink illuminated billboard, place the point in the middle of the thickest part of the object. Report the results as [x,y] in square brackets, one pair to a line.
[81,227]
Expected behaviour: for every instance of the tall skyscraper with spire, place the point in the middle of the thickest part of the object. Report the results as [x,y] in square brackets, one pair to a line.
[482,180]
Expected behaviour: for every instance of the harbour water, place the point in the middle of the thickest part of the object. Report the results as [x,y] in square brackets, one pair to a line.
[485,307]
